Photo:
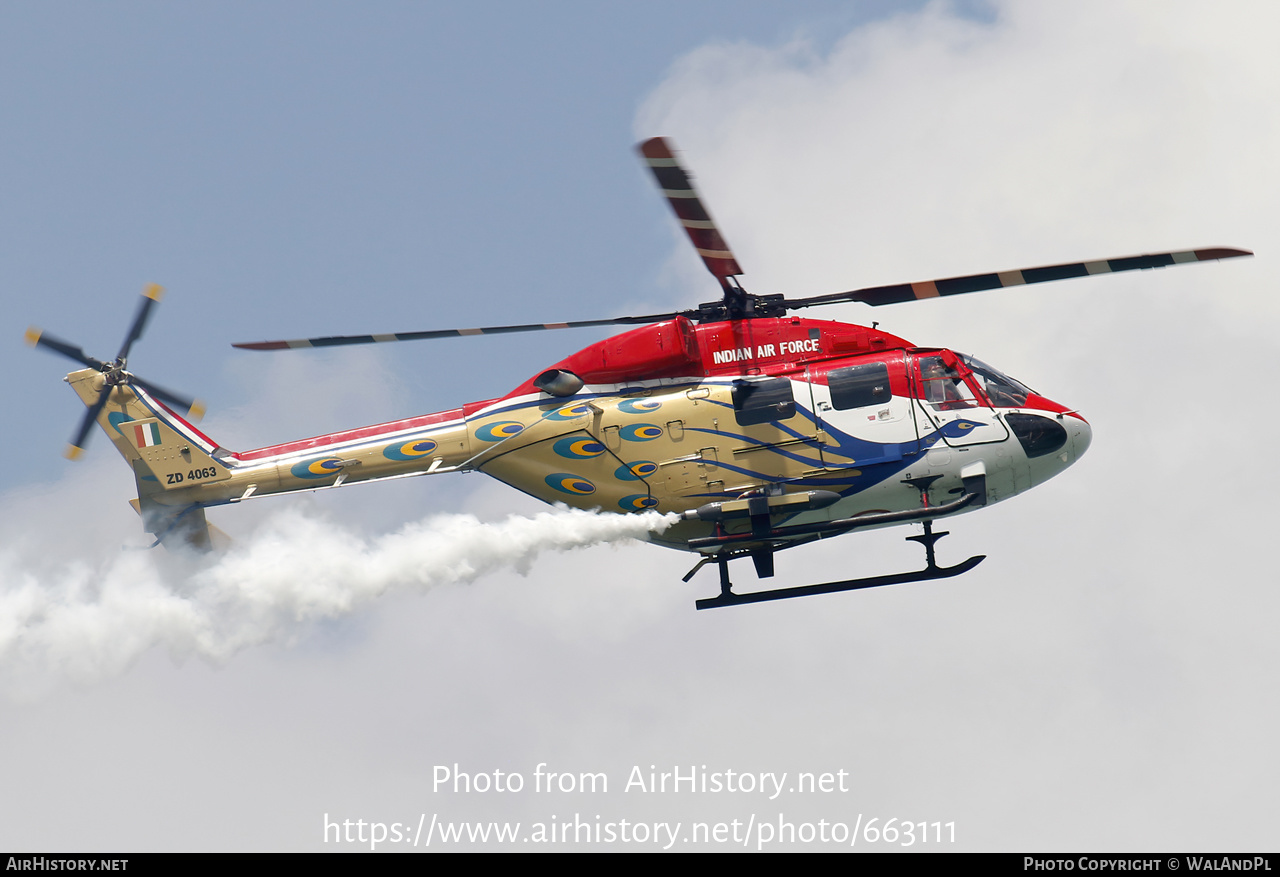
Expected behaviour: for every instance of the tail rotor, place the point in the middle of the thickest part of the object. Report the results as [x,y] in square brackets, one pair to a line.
[113,372]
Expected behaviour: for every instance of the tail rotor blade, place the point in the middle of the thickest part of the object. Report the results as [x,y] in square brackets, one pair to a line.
[113,373]
[39,338]
[77,445]
[150,296]
[192,406]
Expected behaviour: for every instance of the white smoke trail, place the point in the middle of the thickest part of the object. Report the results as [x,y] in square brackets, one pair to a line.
[85,621]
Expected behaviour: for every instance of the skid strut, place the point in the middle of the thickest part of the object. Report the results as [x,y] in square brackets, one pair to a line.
[931,570]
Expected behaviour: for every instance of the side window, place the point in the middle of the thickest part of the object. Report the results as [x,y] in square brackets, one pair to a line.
[763,401]
[859,385]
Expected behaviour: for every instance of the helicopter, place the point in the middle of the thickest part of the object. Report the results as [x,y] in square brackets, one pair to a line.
[759,430]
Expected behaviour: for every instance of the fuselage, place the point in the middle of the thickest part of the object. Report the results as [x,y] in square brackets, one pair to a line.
[674,415]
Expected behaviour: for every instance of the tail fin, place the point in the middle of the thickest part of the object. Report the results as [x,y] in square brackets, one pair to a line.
[143,429]
[165,452]
[185,525]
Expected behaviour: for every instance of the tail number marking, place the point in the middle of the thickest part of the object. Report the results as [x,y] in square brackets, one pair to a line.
[193,475]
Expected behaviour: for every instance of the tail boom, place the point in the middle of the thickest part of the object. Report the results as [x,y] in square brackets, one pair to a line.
[179,470]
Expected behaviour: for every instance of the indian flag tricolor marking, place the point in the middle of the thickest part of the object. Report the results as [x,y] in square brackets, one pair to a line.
[146,435]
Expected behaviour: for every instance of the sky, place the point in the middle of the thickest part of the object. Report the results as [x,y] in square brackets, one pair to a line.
[1103,681]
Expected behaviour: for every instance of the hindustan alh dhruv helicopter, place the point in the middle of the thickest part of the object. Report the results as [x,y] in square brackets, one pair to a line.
[761,430]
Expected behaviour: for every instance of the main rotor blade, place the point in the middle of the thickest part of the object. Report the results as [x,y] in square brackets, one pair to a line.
[340,340]
[883,295]
[39,338]
[150,295]
[192,406]
[684,200]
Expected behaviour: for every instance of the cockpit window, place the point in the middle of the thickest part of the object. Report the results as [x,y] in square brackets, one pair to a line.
[1002,390]
[944,389]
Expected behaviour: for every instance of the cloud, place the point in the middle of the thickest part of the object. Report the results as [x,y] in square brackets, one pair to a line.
[87,616]
[930,143]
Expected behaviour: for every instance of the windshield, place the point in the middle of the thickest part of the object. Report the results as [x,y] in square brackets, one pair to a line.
[1002,390]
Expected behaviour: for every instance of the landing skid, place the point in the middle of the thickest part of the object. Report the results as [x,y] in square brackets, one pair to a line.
[931,571]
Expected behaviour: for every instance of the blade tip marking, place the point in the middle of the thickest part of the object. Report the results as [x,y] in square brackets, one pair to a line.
[262,345]
[1220,253]
[656,147]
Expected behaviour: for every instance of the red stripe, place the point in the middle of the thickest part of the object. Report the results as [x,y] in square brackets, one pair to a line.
[174,416]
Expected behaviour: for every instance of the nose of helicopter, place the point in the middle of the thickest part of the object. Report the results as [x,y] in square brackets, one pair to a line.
[1052,440]
[1081,435]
